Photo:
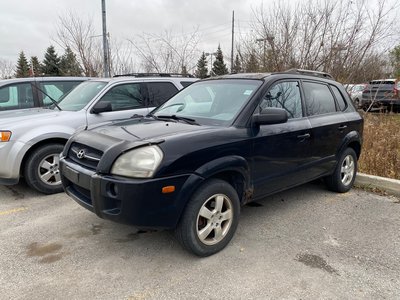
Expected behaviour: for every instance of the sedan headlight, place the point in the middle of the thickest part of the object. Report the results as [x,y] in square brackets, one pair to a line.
[139,163]
[5,136]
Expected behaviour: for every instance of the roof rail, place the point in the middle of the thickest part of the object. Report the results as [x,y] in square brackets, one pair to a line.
[310,72]
[155,75]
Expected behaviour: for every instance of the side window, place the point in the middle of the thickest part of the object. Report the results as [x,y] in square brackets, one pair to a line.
[284,95]
[186,83]
[16,96]
[56,89]
[339,98]
[124,96]
[159,92]
[319,99]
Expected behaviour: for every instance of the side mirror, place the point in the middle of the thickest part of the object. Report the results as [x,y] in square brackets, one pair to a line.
[101,106]
[270,115]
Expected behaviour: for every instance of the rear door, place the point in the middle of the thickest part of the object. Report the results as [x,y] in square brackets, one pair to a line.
[329,125]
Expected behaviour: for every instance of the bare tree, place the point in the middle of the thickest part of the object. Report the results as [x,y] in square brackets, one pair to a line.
[6,68]
[167,52]
[336,36]
[81,36]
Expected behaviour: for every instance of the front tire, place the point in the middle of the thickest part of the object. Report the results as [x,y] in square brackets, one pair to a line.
[343,177]
[210,218]
[42,169]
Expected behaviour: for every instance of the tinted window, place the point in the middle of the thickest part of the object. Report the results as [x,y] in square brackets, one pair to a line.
[16,96]
[159,92]
[339,98]
[56,90]
[319,99]
[284,95]
[124,96]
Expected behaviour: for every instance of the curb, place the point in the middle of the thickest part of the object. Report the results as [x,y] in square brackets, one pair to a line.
[391,186]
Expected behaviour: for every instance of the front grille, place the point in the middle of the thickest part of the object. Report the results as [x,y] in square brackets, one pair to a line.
[84,155]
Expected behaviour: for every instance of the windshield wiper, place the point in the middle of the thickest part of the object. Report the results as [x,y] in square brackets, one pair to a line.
[51,98]
[175,117]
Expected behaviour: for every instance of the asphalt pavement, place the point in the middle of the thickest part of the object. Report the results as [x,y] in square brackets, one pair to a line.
[305,243]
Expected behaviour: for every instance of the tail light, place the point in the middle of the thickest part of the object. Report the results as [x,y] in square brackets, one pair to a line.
[395,89]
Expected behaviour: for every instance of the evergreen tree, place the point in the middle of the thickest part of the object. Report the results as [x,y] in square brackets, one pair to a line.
[252,63]
[219,66]
[51,63]
[22,66]
[201,71]
[237,65]
[35,66]
[69,65]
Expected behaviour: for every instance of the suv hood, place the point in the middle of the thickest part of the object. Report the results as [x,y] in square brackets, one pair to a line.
[147,129]
[8,118]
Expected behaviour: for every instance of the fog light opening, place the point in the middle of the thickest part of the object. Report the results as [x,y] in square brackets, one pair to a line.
[113,189]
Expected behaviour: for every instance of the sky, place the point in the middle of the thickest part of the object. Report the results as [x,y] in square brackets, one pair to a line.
[30,25]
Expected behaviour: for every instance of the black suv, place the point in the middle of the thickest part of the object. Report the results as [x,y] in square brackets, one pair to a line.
[218,144]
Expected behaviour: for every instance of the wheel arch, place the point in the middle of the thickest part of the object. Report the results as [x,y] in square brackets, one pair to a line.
[352,140]
[36,146]
[233,169]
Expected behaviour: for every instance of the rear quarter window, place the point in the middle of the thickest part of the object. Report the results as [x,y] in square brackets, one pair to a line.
[319,99]
[339,98]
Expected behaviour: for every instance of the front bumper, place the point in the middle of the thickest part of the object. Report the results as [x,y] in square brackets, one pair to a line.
[139,202]
[11,155]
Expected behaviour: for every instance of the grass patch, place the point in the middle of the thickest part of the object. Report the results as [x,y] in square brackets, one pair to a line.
[381,145]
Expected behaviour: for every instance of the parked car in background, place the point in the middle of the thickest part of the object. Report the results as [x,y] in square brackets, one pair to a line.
[356,93]
[382,94]
[218,144]
[348,87]
[31,92]
[32,139]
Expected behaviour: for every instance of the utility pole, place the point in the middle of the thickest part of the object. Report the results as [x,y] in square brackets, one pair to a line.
[105,41]
[233,34]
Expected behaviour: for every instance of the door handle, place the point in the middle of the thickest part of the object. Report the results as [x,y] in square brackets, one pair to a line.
[304,136]
[342,127]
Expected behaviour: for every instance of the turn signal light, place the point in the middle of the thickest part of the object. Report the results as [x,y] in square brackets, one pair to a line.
[168,189]
[5,136]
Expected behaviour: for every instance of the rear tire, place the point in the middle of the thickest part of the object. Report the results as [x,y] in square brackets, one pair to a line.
[210,219]
[42,169]
[343,177]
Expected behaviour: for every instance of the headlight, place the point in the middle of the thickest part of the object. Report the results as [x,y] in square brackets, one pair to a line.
[5,136]
[139,163]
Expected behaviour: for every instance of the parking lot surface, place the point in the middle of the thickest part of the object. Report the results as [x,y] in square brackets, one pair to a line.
[305,243]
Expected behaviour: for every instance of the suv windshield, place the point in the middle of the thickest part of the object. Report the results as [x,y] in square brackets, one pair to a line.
[79,97]
[210,102]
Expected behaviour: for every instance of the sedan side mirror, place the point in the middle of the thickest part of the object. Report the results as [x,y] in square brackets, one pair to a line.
[270,115]
[101,106]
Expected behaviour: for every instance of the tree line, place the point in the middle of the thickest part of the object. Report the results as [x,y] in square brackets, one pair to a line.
[353,40]
[52,64]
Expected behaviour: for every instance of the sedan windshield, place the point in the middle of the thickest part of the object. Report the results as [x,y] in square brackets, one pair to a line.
[210,102]
[80,96]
